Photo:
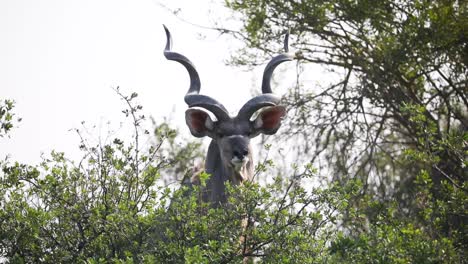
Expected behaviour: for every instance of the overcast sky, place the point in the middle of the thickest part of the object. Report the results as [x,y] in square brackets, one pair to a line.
[60,59]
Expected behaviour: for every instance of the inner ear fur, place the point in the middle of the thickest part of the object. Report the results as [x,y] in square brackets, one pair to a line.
[199,122]
[269,119]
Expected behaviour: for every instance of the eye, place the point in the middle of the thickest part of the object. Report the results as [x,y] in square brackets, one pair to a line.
[219,135]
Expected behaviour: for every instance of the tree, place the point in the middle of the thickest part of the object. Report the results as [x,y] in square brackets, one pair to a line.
[396,107]
[390,56]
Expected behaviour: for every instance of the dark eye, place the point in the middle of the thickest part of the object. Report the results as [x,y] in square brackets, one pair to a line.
[219,135]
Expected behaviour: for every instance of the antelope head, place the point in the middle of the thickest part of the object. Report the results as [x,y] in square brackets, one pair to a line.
[231,134]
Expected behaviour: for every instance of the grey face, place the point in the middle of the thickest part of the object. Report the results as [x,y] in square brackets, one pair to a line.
[233,140]
[232,135]
[235,150]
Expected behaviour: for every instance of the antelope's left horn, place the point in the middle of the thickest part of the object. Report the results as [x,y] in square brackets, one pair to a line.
[271,66]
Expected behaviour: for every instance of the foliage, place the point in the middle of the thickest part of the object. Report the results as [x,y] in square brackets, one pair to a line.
[112,207]
[7,117]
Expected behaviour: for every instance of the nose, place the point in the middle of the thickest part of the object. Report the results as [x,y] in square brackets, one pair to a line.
[240,154]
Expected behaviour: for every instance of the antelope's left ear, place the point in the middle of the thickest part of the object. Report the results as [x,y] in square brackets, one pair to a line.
[269,120]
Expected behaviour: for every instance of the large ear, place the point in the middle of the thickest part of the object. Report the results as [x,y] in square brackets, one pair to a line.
[269,120]
[199,122]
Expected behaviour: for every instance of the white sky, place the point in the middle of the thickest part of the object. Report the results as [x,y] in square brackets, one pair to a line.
[59,60]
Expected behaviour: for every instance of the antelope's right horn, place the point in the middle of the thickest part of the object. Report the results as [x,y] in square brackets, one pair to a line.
[193,98]
[267,98]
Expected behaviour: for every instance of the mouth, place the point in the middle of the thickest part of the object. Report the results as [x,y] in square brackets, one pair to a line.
[238,163]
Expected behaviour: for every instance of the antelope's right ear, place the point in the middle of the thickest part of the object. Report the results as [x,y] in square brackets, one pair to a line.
[199,122]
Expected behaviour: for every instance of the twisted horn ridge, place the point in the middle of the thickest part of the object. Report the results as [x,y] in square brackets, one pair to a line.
[271,66]
[257,103]
[267,98]
[193,98]
[170,55]
[210,104]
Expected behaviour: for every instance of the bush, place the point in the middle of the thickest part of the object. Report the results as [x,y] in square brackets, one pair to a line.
[112,207]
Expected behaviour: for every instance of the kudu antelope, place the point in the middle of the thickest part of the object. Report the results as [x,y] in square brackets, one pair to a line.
[229,156]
